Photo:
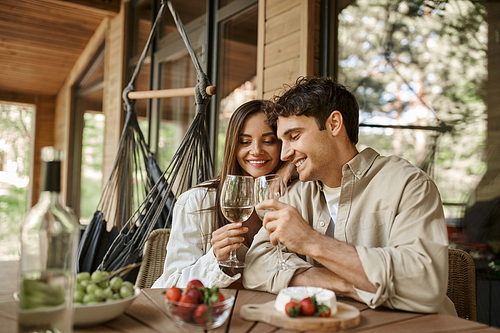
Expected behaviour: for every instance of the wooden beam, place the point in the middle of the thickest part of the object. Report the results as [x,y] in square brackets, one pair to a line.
[108,5]
[178,92]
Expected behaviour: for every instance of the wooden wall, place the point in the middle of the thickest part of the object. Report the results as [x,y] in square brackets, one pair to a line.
[114,83]
[287,43]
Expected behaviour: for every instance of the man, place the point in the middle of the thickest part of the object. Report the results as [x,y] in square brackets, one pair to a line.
[371,227]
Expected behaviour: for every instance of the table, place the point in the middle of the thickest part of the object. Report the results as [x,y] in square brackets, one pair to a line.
[146,314]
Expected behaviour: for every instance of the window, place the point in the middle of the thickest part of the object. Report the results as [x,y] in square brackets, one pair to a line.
[237,68]
[16,122]
[88,138]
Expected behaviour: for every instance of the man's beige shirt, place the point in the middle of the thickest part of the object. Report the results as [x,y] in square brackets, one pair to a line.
[392,213]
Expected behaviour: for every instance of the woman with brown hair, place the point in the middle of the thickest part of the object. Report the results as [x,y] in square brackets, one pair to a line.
[200,235]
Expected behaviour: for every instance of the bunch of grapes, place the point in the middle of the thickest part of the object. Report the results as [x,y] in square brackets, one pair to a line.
[101,287]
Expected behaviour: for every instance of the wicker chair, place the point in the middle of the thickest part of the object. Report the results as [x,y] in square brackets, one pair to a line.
[462,283]
[153,258]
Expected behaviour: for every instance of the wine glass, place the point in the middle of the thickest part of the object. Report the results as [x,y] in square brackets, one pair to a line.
[237,204]
[271,187]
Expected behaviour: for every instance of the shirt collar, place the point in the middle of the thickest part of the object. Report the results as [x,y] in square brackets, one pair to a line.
[361,163]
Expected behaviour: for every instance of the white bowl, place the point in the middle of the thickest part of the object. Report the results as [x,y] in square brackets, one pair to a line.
[96,313]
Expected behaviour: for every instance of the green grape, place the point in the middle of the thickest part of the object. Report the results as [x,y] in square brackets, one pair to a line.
[90,298]
[97,276]
[116,296]
[108,293]
[126,291]
[81,287]
[78,296]
[104,284]
[99,293]
[116,283]
[91,288]
[85,283]
[128,284]
[82,276]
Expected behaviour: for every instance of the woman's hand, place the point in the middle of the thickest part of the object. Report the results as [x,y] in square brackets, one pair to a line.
[288,171]
[226,239]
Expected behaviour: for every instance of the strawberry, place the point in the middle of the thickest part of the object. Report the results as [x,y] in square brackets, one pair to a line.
[221,297]
[186,304]
[327,313]
[307,307]
[321,309]
[195,295]
[184,316]
[173,294]
[292,309]
[200,315]
[194,283]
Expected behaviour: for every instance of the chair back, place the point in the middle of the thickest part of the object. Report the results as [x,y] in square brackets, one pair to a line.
[462,283]
[153,258]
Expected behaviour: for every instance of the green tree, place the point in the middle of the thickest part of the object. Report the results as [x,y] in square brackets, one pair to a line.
[420,63]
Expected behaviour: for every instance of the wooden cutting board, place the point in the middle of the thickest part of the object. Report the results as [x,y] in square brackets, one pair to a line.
[347,316]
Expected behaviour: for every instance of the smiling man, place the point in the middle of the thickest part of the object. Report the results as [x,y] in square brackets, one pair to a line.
[363,225]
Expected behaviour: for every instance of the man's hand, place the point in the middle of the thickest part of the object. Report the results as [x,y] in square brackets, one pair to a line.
[288,171]
[285,224]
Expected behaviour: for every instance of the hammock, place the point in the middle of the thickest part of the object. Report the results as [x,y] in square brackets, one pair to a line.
[190,165]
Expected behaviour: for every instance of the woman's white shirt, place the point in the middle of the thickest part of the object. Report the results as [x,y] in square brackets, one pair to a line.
[189,251]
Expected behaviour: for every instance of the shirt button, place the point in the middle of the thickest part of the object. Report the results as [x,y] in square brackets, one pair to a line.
[322,224]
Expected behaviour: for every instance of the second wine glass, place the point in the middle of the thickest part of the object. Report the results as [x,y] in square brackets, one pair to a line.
[237,204]
[271,187]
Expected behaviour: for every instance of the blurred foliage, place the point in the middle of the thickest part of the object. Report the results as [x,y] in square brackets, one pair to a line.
[423,63]
[91,168]
[12,211]
[15,136]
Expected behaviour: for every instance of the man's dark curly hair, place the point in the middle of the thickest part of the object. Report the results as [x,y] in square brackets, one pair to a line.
[318,98]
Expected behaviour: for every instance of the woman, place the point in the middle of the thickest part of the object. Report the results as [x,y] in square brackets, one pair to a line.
[251,148]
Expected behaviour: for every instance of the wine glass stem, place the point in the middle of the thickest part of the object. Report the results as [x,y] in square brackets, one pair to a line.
[232,256]
[280,255]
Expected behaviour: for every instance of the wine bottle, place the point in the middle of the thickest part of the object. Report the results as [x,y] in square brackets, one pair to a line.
[49,241]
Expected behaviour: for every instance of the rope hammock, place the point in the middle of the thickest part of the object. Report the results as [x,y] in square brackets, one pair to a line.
[136,173]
